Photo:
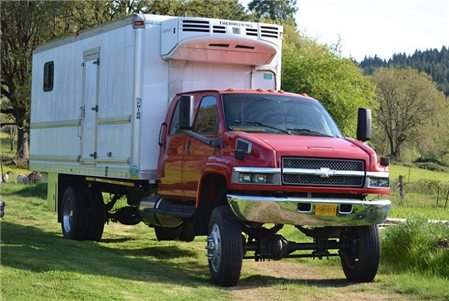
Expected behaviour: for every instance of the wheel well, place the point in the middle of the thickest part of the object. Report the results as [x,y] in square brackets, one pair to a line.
[212,193]
[213,190]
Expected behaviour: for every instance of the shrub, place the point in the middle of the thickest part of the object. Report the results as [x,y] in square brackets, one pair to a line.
[417,245]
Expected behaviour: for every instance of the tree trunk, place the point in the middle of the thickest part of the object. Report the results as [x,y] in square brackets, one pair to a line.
[22,143]
[392,148]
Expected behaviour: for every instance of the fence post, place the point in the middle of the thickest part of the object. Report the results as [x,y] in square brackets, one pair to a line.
[401,189]
[438,194]
[447,196]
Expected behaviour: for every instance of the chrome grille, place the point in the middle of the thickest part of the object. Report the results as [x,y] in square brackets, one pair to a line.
[302,167]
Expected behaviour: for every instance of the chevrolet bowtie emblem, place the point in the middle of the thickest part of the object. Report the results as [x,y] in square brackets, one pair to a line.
[324,172]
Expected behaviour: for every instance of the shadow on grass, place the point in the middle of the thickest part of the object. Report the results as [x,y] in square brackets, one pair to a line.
[38,190]
[263,280]
[31,249]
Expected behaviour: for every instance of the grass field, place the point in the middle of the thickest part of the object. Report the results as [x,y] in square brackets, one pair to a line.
[130,264]
[420,193]
[37,263]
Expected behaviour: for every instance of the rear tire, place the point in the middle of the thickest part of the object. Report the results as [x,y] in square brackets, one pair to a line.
[187,232]
[360,260]
[74,214]
[164,233]
[96,213]
[183,232]
[224,247]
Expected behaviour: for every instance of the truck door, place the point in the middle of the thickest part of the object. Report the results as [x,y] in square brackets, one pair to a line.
[170,158]
[89,108]
[207,124]
[182,156]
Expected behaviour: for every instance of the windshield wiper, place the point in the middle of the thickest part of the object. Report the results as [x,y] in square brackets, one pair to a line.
[310,132]
[257,123]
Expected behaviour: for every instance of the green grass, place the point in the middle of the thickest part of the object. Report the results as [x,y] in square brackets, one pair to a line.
[412,174]
[37,263]
[7,154]
[128,264]
[424,247]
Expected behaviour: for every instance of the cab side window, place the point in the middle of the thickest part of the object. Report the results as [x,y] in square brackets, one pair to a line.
[174,124]
[207,119]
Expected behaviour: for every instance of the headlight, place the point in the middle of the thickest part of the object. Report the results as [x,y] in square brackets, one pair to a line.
[245,178]
[256,175]
[260,178]
[378,183]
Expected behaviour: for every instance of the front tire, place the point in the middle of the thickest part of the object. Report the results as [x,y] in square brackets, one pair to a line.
[360,258]
[224,247]
[74,214]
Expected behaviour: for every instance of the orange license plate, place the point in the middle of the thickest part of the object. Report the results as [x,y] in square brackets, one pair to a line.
[326,210]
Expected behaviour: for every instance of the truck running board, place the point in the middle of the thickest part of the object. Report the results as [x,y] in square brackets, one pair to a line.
[174,213]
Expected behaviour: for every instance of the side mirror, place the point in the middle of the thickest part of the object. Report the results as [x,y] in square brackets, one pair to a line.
[186,110]
[364,124]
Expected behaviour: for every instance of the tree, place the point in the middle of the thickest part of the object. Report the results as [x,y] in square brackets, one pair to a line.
[410,105]
[320,71]
[431,61]
[86,14]
[231,10]
[23,23]
[280,11]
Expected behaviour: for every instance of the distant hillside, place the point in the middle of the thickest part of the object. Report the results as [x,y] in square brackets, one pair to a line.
[433,62]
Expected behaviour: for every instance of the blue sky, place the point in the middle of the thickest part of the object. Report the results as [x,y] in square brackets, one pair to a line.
[369,27]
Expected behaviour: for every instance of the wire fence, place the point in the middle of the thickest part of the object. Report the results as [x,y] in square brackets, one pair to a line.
[428,187]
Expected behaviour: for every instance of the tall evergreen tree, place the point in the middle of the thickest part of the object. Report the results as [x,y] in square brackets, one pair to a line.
[432,62]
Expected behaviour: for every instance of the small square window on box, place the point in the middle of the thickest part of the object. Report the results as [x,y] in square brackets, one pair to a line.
[49,70]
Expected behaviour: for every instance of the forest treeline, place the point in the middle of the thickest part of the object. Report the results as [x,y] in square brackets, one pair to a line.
[432,61]
[410,111]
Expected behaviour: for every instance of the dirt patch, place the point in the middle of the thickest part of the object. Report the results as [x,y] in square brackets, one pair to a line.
[277,280]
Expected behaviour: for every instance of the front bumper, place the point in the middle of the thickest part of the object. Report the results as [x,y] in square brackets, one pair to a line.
[303,211]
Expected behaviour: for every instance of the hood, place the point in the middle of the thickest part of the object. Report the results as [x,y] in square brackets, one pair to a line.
[312,146]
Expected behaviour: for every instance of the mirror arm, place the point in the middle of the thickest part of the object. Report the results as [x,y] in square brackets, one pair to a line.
[214,142]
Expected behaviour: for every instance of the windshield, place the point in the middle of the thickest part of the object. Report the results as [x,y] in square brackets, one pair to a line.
[286,114]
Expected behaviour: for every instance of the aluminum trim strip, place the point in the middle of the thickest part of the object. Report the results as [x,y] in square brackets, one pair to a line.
[55,124]
[374,174]
[256,170]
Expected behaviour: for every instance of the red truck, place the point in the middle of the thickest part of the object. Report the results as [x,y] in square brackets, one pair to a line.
[224,160]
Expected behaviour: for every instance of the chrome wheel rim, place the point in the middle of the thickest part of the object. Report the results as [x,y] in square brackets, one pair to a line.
[67,216]
[214,248]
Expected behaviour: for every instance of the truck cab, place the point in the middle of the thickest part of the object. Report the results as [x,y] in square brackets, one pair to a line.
[260,157]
